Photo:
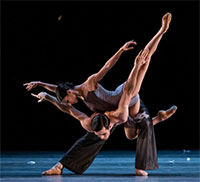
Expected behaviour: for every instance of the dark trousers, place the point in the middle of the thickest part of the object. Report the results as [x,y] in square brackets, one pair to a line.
[146,151]
[81,155]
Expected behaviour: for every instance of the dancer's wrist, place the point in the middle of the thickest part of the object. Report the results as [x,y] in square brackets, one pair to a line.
[121,49]
[39,83]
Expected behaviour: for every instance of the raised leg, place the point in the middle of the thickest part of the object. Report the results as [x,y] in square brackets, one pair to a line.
[132,133]
[164,115]
[151,47]
[153,44]
[135,79]
[134,82]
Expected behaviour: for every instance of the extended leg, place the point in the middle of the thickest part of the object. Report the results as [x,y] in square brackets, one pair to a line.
[132,133]
[135,79]
[153,44]
[151,47]
[134,82]
[80,156]
[164,115]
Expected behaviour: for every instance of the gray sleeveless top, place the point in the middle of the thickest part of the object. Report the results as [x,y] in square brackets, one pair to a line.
[101,100]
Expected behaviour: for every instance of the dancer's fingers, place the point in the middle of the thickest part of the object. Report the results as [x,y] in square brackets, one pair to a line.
[133,42]
[174,108]
[145,53]
[140,53]
[41,100]
[29,88]
[34,95]
[144,61]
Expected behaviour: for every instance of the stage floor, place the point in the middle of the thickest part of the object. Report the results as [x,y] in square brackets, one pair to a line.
[174,166]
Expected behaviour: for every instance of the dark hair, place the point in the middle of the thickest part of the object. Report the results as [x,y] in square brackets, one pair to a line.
[61,90]
[99,121]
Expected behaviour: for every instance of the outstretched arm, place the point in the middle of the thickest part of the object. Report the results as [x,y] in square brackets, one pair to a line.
[31,85]
[67,108]
[95,78]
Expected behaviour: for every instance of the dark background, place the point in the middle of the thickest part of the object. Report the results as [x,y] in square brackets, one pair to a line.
[36,46]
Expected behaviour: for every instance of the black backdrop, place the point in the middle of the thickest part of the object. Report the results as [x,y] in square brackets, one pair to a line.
[37,46]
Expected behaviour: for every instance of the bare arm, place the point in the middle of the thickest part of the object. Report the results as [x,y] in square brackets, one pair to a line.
[48,86]
[67,108]
[111,62]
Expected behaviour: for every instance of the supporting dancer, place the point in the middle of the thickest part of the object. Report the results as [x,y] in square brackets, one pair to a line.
[81,155]
[75,92]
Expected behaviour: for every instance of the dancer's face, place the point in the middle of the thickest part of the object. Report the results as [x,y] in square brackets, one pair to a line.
[103,134]
[70,98]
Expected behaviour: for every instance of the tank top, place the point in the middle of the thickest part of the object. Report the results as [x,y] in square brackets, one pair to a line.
[102,100]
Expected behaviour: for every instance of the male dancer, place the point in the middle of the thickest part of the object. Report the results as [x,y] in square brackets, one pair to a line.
[89,84]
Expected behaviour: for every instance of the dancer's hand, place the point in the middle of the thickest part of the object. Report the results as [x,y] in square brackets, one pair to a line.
[126,47]
[142,57]
[41,96]
[31,85]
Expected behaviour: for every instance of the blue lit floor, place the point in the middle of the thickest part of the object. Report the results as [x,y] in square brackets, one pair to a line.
[174,166]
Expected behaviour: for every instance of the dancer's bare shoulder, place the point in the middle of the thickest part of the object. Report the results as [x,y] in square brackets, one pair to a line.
[90,84]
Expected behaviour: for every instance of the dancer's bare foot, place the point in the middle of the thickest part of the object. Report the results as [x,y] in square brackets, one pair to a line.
[164,115]
[140,172]
[165,22]
[55,170]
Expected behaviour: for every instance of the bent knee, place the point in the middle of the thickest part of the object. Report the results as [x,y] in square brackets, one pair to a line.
[131,133]
[131,137]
